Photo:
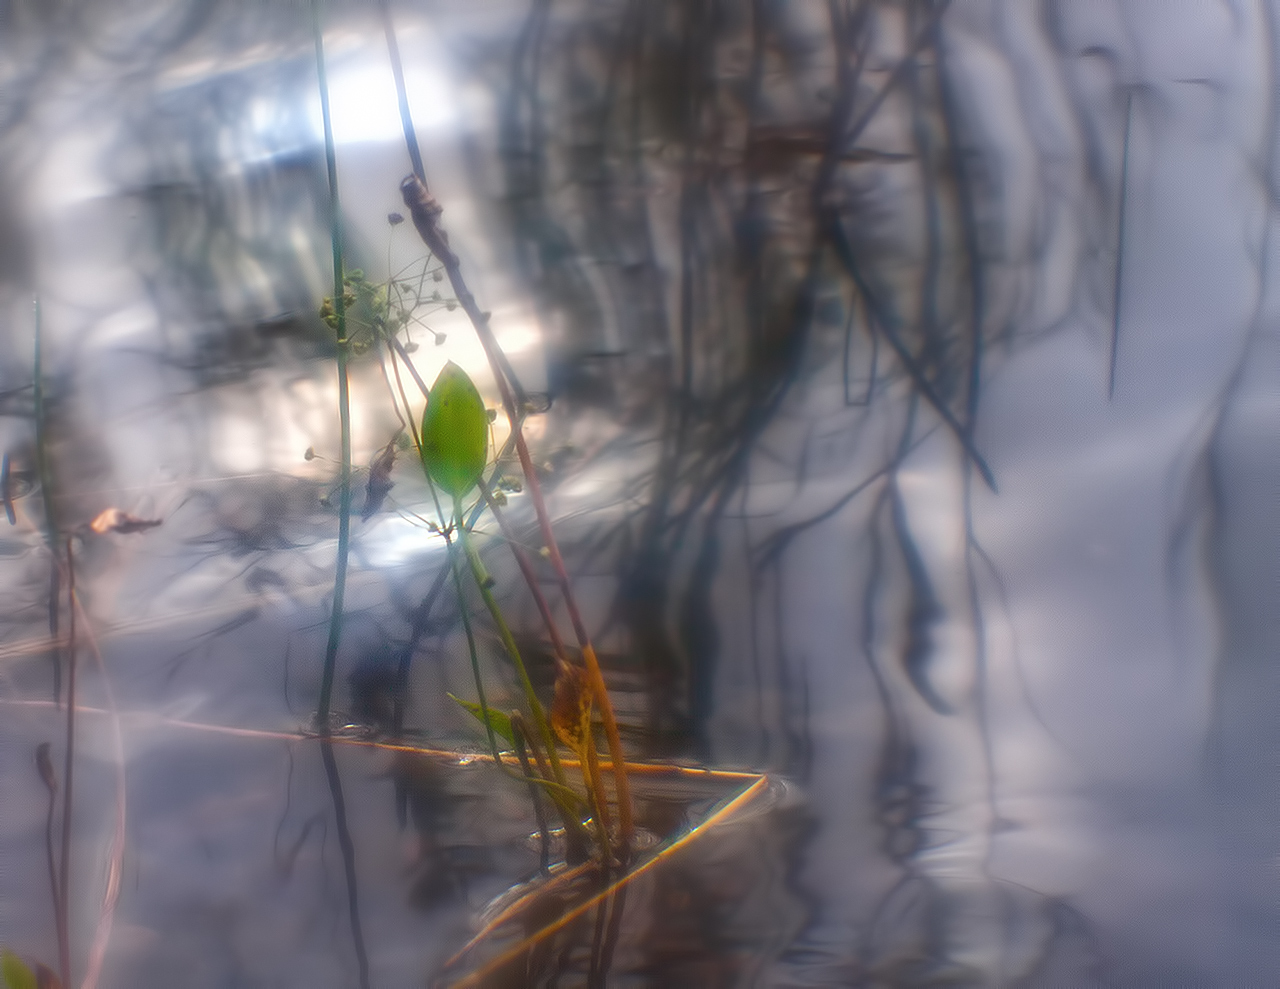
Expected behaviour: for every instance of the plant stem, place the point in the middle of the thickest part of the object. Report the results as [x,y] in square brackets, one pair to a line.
[426,213]
[344,518]
[1117,298]
[558,787]
[471,646]
[402,98]
[509,643]
[344,397]
[425,218]
[64,865]
[45,765]
[530,575]
[517,738]
[46,495]
[348,849]
[575,834]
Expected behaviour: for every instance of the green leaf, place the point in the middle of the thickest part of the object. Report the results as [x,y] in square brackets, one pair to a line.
[499,722]
[455,432]
[16,973]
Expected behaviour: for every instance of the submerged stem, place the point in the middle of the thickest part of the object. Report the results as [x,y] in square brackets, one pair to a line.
[64,863]
[517,739]
[46,496]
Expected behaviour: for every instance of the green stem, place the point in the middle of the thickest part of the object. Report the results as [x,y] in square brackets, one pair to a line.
[566,800]
[344,397]
[558,789]
[345,843]
[471,647]
[483,582]
[517,739]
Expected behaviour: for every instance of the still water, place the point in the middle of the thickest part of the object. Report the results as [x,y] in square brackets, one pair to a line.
[902,381]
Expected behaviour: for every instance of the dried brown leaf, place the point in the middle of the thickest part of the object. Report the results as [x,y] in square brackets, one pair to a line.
[380,482]
[114,520]
[571,707]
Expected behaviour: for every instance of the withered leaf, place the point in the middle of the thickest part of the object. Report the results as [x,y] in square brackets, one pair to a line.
[571,707]
[114,520]
[380,482]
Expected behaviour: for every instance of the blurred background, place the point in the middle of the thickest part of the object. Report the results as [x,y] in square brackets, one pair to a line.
[903,379]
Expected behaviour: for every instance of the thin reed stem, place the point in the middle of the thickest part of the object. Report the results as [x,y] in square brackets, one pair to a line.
[344,396]
[471,646]
[509,643]
[345,843]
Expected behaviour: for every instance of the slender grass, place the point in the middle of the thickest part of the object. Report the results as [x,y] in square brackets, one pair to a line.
[508,643]
[346,845]
[455,569]
[344,396]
